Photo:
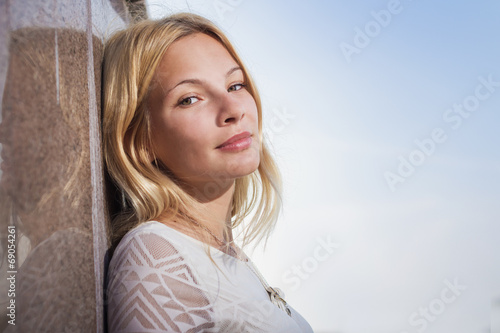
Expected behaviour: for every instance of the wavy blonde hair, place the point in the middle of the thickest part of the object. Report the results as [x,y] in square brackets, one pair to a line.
[131,57]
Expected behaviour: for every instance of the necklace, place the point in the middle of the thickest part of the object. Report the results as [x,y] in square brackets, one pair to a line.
[226,244]
[276,296]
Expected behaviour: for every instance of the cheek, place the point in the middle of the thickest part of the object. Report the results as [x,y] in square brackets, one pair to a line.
[251,108]
[183,139]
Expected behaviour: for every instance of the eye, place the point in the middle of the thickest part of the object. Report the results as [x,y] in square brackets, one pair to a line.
[236,87]
[188,100]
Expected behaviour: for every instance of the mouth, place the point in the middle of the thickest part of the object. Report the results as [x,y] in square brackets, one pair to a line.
[237,142]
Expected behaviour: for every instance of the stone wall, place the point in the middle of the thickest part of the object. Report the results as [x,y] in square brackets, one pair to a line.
[51,185]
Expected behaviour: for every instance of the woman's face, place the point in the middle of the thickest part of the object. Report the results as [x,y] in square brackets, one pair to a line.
[198,103]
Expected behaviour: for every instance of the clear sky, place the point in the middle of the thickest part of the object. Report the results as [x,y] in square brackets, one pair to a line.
[384,117]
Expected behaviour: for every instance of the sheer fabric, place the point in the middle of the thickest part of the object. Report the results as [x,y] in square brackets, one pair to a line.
[161,280]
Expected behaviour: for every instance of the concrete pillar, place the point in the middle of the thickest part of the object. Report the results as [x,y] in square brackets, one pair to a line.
[52,210]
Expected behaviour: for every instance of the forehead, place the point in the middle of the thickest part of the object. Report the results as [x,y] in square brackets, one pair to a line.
[195,55]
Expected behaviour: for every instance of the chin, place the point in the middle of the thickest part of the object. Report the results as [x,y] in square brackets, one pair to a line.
[238,165]
[249,163]
[247,169]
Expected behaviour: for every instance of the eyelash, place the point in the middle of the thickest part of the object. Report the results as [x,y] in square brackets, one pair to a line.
[180,103]
[238,84]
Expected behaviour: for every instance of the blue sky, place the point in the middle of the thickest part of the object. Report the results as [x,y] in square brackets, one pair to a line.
[346,124]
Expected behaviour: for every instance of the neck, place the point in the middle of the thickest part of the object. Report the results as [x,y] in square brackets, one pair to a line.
[216,199]
[220,210]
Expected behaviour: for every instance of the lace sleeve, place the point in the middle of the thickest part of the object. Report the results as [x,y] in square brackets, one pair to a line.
[152,288]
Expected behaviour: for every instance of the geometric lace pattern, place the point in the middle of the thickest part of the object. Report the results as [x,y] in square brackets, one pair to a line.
[161,280]
[154,290]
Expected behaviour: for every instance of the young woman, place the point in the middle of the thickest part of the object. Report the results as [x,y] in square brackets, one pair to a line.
[183,142]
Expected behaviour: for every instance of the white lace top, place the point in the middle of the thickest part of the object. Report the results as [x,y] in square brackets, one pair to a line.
[161,280]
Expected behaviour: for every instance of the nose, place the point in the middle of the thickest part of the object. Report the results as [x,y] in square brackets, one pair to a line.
[231,110]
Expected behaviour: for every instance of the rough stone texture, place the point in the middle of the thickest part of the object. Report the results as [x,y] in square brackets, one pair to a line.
[4,53]
[51,185]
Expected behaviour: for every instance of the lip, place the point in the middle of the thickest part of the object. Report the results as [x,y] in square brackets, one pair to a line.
[237,142]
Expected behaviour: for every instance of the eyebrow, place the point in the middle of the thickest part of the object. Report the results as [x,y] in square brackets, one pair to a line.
[198,81]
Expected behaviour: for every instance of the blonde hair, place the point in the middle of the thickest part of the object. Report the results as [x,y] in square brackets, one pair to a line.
[131,57]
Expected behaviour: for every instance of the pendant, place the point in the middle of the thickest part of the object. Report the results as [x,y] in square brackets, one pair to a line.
[278,298]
